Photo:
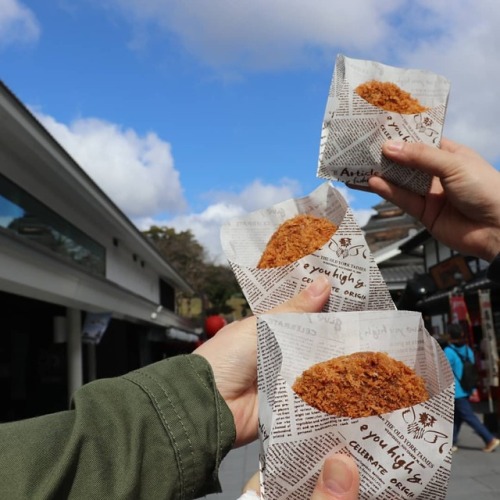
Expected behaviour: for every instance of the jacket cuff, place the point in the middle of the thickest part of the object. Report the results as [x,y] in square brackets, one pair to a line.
[197,420]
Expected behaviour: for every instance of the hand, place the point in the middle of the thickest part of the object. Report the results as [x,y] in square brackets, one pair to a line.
[339,480]
[232,353]
[462,208]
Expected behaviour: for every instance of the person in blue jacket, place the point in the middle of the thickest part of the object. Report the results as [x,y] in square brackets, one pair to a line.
[455,351]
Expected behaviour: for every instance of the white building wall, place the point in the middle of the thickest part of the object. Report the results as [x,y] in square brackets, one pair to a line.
[121,268]
[135,275]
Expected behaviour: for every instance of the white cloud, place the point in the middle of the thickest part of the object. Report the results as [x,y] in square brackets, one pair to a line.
[263,34]
[206,225]
[465,50]
[226,205]
[258,195]
[136,172]
[18,24]
[237,36]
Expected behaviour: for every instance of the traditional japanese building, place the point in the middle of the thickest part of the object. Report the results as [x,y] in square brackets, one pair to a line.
[385,232]
[71,263]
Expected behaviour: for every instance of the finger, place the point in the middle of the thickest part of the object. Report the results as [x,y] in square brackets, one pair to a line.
[311,299]
[359,187]
[253,483]
[449,145]
[429,159]
[410,202]
[339,479]
[455,147]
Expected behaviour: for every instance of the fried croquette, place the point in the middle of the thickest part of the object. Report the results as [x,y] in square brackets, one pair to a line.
[389,96]
[296,238]
[360,385]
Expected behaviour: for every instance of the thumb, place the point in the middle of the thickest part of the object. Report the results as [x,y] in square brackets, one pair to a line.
[429,159]
[311,299]
[339,479]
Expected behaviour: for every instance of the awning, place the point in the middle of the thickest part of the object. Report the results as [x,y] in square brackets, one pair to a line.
[181,335]
[480,281]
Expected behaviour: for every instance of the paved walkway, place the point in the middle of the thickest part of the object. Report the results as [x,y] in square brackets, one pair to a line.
[474,474]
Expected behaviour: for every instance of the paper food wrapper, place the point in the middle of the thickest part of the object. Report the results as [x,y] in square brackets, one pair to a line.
[354,130]
[345,260]
[402,454]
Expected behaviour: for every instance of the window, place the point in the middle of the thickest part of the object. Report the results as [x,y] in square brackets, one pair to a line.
[30,219]
[167,295]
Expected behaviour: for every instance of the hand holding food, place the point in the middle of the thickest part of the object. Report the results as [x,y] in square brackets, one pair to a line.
[462,208]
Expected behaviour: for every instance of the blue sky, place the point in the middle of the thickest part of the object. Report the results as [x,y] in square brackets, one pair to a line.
[187,113]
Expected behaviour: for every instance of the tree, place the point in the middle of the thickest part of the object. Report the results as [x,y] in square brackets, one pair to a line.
[215,284]
[220,285]
[182,252]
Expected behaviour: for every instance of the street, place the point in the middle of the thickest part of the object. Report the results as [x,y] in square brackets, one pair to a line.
[474,474]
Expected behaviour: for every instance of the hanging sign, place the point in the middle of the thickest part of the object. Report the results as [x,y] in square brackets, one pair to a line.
[94,327]
[489,342]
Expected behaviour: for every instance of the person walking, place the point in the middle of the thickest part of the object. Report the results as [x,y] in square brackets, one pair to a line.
[457,351]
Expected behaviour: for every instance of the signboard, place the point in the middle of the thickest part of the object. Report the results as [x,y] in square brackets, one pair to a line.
[451,272]
[489,342]
[94,327]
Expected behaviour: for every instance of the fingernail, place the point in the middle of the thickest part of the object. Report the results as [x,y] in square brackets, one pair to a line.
[337,478]
[394,146]
[318,286]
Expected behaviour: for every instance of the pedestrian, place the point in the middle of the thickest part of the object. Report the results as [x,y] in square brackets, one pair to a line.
[162,431]
[456,352]
[461,210]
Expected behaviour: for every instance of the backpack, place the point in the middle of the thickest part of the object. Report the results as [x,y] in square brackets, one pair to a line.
[470,376]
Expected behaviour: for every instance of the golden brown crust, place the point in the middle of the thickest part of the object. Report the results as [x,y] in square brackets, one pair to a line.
[389,96]
[360,385]
[296,238]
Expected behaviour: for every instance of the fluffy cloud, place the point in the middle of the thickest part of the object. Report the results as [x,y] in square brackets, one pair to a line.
[263,34]
[460,43]
[257,195]
[18,24]
[465,50]
[225,206]
[137,173]
[206,225]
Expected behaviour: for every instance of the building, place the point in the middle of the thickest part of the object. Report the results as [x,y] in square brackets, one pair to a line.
[67,256]
[447,273]
[425,275]
[385,232]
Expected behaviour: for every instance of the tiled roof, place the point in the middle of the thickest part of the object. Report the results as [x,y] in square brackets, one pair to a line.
[396,277]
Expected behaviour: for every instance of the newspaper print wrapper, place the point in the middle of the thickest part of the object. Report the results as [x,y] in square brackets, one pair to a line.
[354,130]
[402,454]
[345,260]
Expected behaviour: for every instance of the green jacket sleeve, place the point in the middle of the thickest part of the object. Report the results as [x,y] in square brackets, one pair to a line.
[158,432]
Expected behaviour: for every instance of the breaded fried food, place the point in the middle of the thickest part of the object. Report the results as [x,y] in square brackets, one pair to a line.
[360,385]
[296,238]
[389,96]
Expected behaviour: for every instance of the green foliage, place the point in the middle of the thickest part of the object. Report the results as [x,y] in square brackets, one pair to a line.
[214,283]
